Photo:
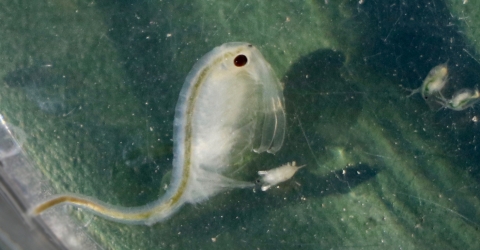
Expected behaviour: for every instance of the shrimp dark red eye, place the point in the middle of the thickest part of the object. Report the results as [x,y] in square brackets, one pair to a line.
[240,60]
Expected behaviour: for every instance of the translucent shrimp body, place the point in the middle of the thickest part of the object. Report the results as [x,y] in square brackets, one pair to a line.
[231,102]
[461,100]
[277,175]
[434,82]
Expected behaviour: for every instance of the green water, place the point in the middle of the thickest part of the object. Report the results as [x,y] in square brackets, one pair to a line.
[94,86]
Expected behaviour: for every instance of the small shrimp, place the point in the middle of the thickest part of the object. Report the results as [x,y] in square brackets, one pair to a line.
[274,176]
[434,82]
[461,100]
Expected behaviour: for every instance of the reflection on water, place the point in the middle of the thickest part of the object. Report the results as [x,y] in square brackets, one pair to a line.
[383,170]
[42,86]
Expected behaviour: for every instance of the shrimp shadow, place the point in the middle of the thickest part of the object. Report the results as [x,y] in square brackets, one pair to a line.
[322,102]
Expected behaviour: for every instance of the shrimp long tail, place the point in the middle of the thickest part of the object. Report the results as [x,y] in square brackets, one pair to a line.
[147,214]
